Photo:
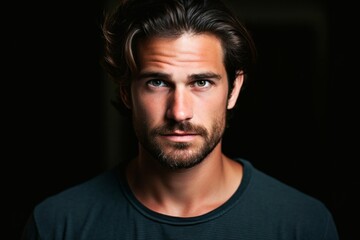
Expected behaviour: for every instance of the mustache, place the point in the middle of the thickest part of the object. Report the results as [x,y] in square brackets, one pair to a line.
[169,128]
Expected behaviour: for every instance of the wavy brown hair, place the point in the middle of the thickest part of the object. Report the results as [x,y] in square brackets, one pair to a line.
[131,21]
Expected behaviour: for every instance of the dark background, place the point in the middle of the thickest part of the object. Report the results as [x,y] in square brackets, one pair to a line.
[296,118]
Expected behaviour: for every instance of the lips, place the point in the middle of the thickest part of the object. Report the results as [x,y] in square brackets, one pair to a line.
[179,136]
[178,133]
[183,131]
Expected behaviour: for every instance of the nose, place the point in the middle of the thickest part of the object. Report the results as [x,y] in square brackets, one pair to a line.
[179,106]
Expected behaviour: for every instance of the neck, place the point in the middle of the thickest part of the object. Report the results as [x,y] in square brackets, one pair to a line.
[183,192]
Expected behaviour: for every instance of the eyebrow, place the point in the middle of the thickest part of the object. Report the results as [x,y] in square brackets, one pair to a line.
[192,77]
[153,75]
[206,75]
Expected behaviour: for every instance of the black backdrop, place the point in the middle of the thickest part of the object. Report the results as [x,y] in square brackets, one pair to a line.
[296,118]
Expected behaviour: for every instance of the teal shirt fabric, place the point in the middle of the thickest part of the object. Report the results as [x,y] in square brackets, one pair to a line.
[104,208]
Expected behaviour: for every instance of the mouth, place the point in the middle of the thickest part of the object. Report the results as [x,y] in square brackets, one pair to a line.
[180,132]
[180,136]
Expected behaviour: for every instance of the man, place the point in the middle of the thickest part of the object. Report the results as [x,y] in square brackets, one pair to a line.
[179,66]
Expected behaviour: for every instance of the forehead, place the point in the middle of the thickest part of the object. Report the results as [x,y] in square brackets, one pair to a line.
[185,50]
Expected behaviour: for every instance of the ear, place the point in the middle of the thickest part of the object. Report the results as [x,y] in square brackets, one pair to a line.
[125,96]
[236,90]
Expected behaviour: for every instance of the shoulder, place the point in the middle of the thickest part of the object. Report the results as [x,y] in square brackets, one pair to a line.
[79,210]
[286,204]
[275,191]
[78,201]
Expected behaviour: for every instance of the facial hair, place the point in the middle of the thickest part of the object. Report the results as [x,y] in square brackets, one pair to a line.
[182,155]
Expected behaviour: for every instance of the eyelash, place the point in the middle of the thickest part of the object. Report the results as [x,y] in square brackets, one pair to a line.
[161,83]
[151,83]
[207,82]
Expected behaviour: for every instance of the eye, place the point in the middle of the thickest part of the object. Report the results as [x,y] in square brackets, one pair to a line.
[157,83]
[202,83]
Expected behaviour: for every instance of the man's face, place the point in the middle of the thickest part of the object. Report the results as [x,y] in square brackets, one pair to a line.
[179,98]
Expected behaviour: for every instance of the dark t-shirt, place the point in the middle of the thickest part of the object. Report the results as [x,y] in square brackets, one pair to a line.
[104,208]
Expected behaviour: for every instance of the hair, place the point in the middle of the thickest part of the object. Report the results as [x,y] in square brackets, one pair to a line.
[134,20]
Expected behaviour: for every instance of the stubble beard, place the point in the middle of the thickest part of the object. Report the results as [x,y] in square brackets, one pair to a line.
[182,155]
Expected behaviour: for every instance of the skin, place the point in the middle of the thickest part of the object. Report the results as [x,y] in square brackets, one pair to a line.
[179,100]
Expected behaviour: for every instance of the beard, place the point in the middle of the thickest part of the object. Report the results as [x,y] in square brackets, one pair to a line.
[180,155]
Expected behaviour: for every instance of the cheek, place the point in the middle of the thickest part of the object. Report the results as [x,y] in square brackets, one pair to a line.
[211,108]
[146,109]
[217,101]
